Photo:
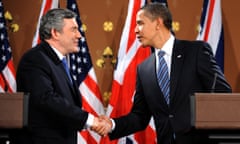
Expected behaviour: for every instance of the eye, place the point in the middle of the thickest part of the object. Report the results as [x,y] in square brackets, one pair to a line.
[75,29]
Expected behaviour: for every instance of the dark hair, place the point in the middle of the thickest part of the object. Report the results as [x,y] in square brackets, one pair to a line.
[155,10]
[53,19]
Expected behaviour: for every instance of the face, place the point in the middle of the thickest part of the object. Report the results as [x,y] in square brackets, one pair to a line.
[69,36]
[146,29]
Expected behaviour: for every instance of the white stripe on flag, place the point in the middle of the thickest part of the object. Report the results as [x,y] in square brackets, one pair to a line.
[10,78]
[215,26]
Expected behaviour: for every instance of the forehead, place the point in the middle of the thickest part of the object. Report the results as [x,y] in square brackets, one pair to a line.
[140,13]
[141,16]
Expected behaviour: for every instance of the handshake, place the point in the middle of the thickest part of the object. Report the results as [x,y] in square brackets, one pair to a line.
[102,125]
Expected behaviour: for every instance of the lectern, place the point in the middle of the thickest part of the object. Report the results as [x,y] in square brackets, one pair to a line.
[218,114]
[13,112]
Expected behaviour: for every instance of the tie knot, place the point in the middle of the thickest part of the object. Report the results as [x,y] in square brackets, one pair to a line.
[64,61]
[161,53]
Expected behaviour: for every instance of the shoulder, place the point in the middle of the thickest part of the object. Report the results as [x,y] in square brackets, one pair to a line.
[193,43]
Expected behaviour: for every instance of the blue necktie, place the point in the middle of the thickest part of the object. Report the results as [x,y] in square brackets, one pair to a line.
[162,75]
[64,62]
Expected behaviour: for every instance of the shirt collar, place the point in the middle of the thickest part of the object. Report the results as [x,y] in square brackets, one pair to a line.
[59,54]
[167,47]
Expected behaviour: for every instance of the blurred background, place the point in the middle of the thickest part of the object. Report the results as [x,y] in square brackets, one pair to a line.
[103,23]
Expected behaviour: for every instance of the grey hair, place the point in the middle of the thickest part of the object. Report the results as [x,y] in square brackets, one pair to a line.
[53,19]
[155,10]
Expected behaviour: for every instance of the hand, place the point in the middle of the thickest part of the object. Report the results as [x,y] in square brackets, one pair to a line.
[106,119]
[101,126]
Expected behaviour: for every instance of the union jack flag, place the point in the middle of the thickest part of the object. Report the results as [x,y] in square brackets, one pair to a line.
[130,54]
[211,29]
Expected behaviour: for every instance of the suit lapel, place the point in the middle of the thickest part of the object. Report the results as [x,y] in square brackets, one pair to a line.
[176,66]
[152,77]
[52,55]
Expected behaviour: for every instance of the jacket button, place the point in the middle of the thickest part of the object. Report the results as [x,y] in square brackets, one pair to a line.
[170,116]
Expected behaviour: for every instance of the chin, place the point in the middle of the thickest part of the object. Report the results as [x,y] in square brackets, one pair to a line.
[144,45]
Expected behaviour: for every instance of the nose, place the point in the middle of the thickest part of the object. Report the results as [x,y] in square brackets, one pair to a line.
[136,29]
[79,35]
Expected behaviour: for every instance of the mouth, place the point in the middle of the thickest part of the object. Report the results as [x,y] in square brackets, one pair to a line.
[76,43]
[139,38]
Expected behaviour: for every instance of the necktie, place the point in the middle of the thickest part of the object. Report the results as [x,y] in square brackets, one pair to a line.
[162,75]
[64,62]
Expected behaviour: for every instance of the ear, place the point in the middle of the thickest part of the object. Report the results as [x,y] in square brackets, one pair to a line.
[55,33]
[159,23]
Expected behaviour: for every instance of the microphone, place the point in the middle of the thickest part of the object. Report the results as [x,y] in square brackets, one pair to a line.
[214,82]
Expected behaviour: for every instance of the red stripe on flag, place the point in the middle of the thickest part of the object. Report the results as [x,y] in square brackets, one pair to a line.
[209,20]
[11,67]
[47,6]
[106,140]
[87,136]
[5,77]
[132,35]
[2,83]
[12,73]
[88,107]
[92,85]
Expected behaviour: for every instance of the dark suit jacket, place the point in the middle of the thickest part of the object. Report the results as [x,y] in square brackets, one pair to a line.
[192,70]
[55,108]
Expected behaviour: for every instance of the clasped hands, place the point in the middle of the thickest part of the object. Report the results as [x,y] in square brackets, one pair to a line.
[102,125]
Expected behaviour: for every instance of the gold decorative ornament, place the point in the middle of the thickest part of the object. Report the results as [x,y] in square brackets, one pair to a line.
[108,26]
[100,63]
[175,26]
[8,16]
[106,96]
[107,54]
[114,61]
[198,28]
[14,27]
[84,27]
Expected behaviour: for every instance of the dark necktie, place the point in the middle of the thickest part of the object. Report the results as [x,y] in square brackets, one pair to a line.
[162,75]
[64,62]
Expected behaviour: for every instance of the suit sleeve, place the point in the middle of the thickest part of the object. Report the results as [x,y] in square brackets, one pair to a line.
[210,73]
[137,119]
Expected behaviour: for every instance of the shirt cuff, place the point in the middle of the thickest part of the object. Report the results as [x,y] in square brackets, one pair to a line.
[113,125]
[90,120]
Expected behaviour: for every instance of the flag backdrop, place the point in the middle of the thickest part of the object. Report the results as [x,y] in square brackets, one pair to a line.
[46,5]
[130,54]
[84,75]
[8,74]
[211,29]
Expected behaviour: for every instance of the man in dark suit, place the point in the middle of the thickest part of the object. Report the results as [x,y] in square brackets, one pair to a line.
[55,105]
[191,68]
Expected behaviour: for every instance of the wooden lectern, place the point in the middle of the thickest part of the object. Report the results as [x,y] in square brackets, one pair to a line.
[218,114]
[13,110]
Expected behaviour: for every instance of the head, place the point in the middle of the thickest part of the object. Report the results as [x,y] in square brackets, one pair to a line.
[154,23]
[59,28]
